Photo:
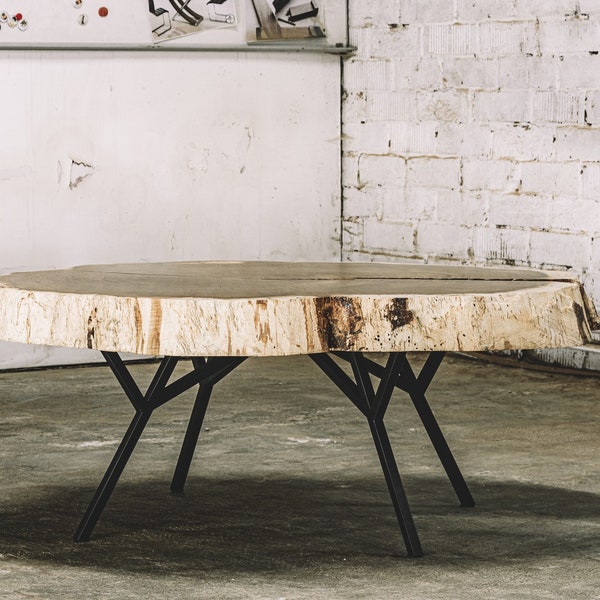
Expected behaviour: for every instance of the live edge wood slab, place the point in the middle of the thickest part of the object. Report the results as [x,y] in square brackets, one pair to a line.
[282,308]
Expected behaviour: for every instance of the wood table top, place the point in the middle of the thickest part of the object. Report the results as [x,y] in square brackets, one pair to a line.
[279,308]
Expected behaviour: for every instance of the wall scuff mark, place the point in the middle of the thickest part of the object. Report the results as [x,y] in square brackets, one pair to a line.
[249,134]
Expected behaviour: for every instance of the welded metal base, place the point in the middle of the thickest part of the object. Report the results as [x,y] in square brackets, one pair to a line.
[373,404]
[397,373]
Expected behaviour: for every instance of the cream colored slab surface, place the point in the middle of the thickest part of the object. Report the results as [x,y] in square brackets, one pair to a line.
[270,308]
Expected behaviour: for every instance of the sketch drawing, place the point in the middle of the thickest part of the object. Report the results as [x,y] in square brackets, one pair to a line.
[177,18]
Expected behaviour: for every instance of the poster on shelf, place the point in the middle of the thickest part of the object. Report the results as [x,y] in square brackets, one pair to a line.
[164,23]
[285,21]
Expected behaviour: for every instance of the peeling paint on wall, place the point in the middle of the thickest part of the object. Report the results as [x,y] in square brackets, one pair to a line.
[79,170]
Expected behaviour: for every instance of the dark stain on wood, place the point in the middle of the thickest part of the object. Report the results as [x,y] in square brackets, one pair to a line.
[398,314]
[261,321]
[139,330]
[339,320]
[155,325]
[91,328]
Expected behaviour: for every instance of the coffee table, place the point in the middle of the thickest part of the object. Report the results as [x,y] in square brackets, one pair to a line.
[219,313]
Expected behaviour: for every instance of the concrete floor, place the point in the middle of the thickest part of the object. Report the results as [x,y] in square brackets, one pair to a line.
[286,499]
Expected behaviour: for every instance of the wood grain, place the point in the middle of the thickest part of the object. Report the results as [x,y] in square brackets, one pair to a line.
[271,308]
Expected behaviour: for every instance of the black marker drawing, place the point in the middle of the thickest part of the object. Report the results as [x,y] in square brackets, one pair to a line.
[183,9]
[163,22]
[172,19]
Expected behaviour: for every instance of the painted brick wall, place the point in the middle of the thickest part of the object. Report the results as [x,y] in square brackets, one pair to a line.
[472,133]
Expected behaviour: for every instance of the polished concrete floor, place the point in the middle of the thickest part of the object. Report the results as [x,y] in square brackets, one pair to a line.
[286,499]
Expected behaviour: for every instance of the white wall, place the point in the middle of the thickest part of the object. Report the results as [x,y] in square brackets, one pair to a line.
[472,133]
[183,156]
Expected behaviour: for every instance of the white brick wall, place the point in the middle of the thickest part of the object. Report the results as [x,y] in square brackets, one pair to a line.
[472,133]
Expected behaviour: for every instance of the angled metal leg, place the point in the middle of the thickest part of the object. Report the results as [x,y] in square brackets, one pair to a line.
[396,489]
[416,387]
[144,406]
[191,437]
[109,481]
[197,417]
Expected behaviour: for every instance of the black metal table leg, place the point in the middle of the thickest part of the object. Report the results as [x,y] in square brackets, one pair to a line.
[415,387]
[205,373]
[224,367]
[378,403]
[144,407]
[373,405]
[396,373]
[396,489]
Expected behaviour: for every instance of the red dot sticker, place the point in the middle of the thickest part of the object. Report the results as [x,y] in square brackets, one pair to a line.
[103,11]
[19,17]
